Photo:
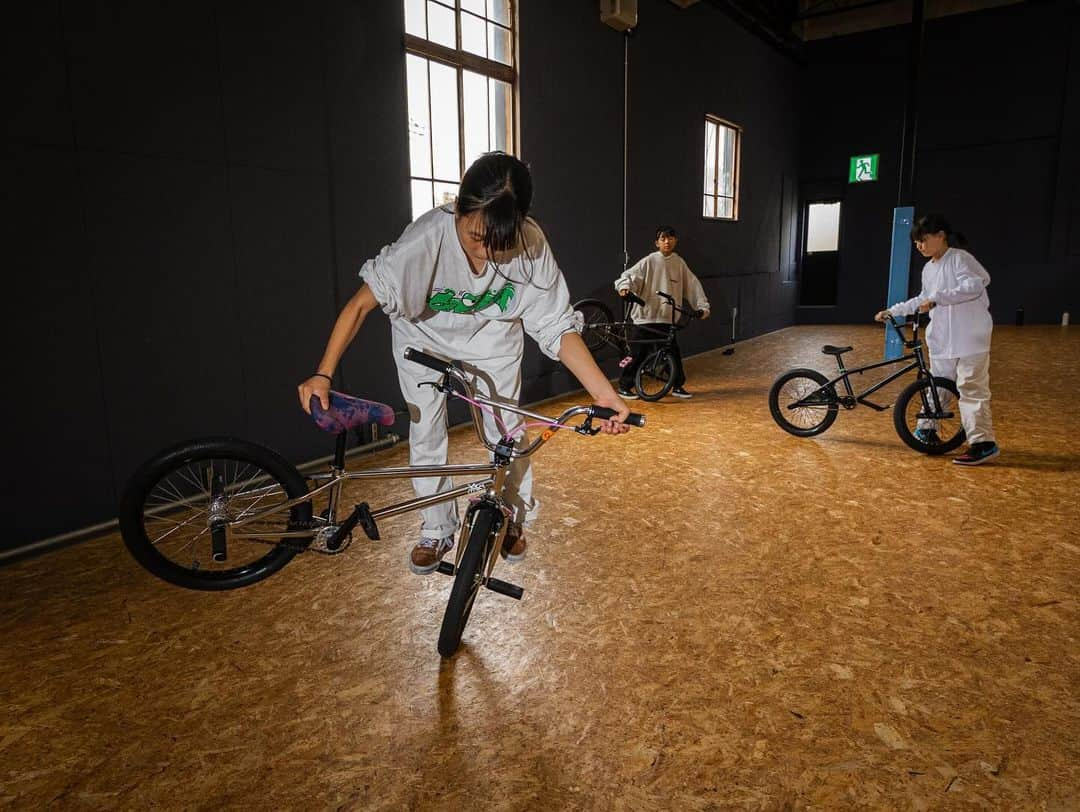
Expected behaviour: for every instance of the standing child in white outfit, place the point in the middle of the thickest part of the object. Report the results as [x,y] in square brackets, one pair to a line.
[466,282]
[954,294]
[662,271]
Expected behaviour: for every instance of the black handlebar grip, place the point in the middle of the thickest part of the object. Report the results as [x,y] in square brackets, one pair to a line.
[429,361]
[633,419]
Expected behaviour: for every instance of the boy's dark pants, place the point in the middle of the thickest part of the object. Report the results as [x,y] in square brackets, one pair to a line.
[650,336]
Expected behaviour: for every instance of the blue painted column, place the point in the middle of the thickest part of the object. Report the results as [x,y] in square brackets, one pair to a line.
[899,268]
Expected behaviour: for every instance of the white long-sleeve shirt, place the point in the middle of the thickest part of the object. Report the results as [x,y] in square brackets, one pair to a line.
[669,275]
[960,322]
[425,284]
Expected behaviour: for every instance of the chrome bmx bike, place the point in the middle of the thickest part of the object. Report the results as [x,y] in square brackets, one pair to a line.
[222,513]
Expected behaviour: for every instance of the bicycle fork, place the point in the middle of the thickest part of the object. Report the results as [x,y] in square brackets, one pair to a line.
[489,501]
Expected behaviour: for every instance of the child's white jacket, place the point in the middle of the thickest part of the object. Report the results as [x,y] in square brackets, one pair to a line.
[668,275]
[960,322]
[425,284]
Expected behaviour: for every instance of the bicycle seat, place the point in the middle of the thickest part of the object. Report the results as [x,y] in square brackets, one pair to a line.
[829,349]
[347,412]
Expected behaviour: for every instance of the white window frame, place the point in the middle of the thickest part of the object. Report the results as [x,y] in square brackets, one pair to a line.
[461,60]
[715,194]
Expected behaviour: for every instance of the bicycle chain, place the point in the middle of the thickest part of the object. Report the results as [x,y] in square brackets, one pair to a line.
[312,545]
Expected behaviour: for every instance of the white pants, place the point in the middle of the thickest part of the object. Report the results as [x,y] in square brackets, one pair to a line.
[498,379]
[972,376]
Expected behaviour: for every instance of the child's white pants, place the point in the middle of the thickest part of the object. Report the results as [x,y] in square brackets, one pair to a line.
[497,378]
[972,376]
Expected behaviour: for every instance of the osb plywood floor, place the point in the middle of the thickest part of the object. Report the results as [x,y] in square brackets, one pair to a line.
[716,615]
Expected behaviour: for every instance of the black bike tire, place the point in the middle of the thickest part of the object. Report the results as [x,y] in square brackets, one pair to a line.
[601,315]
[463,593]
[133,531]
[900,415]
[656,357]
[778,413]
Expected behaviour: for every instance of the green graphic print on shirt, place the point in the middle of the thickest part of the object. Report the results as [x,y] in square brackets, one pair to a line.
[449,300]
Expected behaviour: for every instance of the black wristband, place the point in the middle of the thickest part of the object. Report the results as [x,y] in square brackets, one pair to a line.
[323,375]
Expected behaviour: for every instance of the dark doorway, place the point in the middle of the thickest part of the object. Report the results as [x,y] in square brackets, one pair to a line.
[820,254]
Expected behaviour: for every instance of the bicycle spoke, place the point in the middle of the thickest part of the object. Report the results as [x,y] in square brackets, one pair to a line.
[925,420]
[250,508]
[179,526]
[175,513]
[805,415]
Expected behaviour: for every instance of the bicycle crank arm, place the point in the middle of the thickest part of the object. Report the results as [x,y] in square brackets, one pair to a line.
[362,516]
[494,584]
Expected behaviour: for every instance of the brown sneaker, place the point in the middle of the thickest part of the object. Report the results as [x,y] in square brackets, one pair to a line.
[513,549]
[427,554]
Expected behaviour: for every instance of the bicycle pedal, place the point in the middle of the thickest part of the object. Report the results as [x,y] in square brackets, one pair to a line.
[445,567]
[505,588]
[367,521]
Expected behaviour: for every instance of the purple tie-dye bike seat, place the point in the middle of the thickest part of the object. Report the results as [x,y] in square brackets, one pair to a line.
[347,412]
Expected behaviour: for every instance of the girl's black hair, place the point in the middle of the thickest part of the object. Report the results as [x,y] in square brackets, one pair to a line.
[932,224]
[666,231]
[499,186]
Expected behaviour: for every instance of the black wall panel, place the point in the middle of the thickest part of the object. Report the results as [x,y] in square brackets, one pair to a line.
[369,155]
[144,77]
[283,303]
[160,259]
[35,76]
[994,77]
[56,455]
[571,124]
[272,72]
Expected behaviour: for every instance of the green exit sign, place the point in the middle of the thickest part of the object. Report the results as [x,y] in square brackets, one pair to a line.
[863,168]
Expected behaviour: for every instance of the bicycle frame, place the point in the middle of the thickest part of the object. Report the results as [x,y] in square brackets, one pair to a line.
[863,397]
[617,333]
[852,399]
[490,487]
[663,335]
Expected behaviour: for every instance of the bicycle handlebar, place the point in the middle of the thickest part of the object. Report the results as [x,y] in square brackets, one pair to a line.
[429,361]
[476,401]
[604,413]
[900,333]
[696,314]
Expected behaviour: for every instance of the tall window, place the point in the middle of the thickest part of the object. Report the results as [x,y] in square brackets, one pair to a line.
[721,169]
[461,73]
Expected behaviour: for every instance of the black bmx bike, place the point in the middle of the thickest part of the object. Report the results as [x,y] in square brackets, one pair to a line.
[223,513]
[804,402]
[655,378]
